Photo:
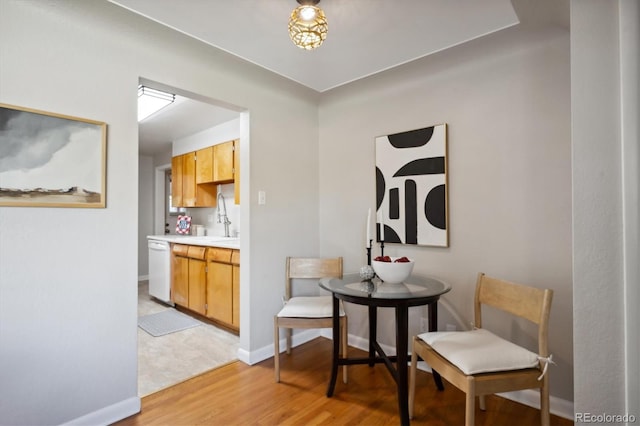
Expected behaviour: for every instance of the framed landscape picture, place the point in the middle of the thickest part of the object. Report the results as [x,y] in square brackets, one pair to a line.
[51,160]
[411,187]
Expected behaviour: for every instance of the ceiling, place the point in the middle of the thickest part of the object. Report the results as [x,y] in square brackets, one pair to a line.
[185,117]
[365,37]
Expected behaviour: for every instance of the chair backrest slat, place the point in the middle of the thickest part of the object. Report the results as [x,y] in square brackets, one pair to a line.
[531,303]
[311,268]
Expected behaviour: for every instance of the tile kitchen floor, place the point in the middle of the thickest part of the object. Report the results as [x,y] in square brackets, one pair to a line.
[170,359]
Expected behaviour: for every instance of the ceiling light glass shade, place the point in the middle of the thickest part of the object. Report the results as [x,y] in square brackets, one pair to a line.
[151,101]
[308,26]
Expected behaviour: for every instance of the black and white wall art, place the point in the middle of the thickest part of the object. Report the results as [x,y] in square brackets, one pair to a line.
[411,187]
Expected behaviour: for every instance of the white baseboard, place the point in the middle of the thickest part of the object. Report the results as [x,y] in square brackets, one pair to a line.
[559,407]
[143,278]
[266,352]
[108,415]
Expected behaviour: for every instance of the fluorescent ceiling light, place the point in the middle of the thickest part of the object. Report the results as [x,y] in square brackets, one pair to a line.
[151,101]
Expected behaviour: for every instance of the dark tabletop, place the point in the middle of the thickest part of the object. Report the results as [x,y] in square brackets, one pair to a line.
[415,287]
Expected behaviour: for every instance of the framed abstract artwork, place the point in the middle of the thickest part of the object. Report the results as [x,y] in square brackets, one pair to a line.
[51,160]
[411,187]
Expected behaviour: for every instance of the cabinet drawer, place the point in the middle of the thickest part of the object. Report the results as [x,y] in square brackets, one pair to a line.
[219,254]
[180,250]
[235,257]
[193,252]
[197,252]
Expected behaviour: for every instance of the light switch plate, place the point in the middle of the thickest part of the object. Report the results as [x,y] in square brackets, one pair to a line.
[262,198]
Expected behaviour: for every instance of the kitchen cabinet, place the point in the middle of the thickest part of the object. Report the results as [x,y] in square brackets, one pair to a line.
[189,277]
[176,181]
[236,170]
[189,179]
[204,165]
[185,192]
[235,263]
[218,163]
[223,295]
[223,162]
[196,175]
[206,280]
[180,275]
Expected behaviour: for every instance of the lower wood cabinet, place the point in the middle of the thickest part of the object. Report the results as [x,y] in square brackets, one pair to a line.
[206,280]
[180,275]
[223,286]
[188,287]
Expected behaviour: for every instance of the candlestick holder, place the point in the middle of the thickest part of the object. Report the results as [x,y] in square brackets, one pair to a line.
[369,253]
[382,248]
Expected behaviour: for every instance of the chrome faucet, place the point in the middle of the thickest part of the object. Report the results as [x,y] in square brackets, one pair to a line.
[222,216]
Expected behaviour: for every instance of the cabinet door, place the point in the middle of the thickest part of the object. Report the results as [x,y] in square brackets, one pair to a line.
[176,181]
[180,281]
[236,170]
[197,285]
[223,162]
[189,179]
[236,295]
[204,165]
[220,292]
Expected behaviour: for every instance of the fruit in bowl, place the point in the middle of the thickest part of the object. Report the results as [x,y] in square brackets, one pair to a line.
[392,270]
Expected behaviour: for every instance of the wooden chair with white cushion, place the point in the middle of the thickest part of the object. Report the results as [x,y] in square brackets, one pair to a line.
[308,311]
[480,363]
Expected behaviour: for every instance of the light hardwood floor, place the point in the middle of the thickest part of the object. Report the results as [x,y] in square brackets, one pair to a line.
[238,394]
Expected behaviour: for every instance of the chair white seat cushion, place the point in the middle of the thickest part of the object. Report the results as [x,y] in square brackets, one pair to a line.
[479,351]
[309,307]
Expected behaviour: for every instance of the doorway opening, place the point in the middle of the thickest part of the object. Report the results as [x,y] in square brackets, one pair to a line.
[169,359]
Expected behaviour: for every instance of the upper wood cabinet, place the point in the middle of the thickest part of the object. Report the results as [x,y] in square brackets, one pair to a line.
[185,191]
[176,181]
[204,165]
[223,162]
[189,179]
[236,170]
[195,175]
[216,164]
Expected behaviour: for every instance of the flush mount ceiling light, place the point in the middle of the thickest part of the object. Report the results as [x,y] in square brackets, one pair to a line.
[308,25]
[151,101]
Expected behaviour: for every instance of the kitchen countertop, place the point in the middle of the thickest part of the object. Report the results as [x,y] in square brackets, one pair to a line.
[208,241]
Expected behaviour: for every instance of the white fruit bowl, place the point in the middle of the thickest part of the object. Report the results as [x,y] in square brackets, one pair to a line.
[393,272]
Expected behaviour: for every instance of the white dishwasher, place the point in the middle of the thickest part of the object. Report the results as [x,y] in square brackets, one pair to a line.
[160,270]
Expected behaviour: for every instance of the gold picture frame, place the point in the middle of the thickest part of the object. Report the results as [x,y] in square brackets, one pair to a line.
[51,160]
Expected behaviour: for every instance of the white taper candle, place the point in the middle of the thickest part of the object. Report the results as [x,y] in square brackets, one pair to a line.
[368,242]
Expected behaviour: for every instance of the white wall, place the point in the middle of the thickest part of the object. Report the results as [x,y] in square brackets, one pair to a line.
[146,196]
[68,317]
[217,134]
[605,193]
[506,101]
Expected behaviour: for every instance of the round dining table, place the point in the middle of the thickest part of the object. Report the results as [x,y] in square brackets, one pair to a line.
[374,293]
